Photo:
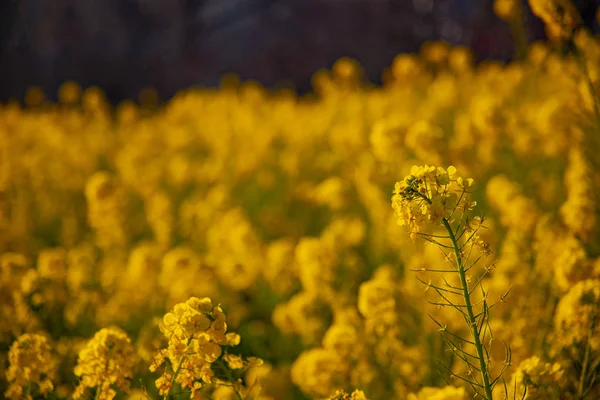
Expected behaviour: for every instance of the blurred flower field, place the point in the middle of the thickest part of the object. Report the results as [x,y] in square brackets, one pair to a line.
[241,243]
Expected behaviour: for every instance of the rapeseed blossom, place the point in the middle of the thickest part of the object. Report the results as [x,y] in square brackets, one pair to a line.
[428,195]
[33,367]
[197,335]
[105,364]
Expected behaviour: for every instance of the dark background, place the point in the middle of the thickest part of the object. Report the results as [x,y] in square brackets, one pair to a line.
[125,45]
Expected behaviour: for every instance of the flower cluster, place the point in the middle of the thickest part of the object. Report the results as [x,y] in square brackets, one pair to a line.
[577,318]
[533,380]
[197,333]
[579,211]
[515,209]
[319,372]
[430,195]
[106,364]
[106,209]
[33,367]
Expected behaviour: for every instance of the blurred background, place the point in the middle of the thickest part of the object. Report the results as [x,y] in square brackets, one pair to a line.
[125,45]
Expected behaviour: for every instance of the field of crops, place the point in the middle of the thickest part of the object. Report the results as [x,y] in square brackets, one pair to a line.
[240,243]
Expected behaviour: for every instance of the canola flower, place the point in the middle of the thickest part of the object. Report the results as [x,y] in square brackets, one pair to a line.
[105,364]
[535,379]
[197,333]
[33,367]
[429,196]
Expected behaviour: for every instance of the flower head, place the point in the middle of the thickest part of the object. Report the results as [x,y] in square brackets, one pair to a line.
[106,363]
[428,195]
[31,364]
[197,335]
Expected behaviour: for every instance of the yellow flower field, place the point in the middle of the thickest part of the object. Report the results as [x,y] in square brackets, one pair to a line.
[432,238]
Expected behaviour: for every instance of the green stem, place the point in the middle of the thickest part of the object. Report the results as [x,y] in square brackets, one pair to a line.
[239,396]
[471,316]
[581,388]
[581,392]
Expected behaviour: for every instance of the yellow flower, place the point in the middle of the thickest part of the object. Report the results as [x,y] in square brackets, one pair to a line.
[233,339]
[33,365]
[163,383]
[106,360]
[234,362]
[535,380]
[577,316]
[319,372]
[304,314]
[196,332]
[345,339]
[428,195]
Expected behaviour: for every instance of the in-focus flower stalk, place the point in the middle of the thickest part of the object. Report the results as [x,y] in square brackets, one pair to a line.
[430,198]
